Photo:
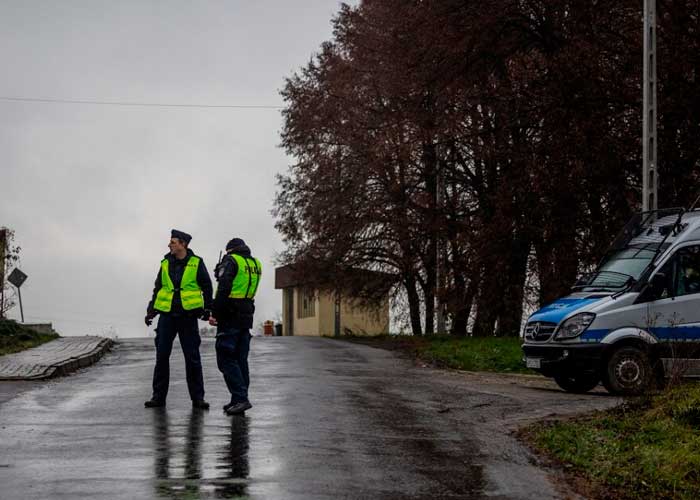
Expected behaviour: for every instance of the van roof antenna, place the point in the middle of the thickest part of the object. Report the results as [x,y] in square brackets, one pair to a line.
[692,207]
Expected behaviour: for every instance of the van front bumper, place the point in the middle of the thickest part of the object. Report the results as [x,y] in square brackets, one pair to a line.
[558,359]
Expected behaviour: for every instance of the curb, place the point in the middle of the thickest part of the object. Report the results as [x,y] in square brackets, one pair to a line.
[71,364]
[527,376]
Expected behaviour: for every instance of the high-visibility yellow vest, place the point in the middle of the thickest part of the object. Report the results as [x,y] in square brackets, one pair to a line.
[245,284]
[190,293]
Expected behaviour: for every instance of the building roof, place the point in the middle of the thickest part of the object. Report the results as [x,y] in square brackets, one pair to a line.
[292,276]
[285,277]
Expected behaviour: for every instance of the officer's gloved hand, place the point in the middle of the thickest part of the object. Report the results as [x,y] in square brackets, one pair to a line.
[205,315]
[149,318]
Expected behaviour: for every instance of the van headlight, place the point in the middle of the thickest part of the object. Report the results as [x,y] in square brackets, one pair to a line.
[575,326]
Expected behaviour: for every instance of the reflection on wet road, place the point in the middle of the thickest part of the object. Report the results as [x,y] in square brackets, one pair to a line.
[177,464]
[232,461]
[330,420]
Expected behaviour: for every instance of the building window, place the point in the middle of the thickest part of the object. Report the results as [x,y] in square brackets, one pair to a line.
[307,304]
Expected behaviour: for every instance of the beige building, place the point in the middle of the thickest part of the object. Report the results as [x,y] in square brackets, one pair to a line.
[316,312]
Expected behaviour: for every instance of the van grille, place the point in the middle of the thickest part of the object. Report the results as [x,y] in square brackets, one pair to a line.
[539,331]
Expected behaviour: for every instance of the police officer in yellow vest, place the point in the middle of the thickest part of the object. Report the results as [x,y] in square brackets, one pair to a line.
[238,276]
[182,293]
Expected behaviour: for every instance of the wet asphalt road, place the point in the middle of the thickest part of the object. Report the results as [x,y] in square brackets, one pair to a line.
[330,420]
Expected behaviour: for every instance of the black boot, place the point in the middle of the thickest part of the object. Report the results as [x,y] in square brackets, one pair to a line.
[154,403]
[239,408]
[201,404]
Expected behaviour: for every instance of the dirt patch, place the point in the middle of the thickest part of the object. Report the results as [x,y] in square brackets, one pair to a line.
[407,346]
[503,404]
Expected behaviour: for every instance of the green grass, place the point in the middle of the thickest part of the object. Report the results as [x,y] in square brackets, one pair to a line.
[647,448]
[15,337]
[492,354]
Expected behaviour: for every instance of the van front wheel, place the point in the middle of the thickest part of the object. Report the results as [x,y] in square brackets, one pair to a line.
[576,383]
[627,371]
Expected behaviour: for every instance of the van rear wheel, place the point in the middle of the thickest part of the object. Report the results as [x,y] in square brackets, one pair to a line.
[627,371]
[576,383]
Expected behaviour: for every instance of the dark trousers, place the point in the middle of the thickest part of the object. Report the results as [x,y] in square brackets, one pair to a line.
[232,347]
[186,328]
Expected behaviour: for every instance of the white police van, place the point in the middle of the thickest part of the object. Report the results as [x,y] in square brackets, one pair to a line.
[631,321]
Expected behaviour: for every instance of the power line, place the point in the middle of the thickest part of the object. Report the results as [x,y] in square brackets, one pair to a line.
[137,104]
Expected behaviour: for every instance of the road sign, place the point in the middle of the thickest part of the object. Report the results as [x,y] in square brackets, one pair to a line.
[17,277]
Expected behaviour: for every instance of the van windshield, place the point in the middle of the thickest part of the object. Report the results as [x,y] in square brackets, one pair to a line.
[620,268]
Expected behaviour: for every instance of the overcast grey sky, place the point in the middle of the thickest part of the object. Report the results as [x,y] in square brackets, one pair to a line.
[92,191]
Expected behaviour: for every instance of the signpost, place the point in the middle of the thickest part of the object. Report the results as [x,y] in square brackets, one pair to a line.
[17,277]
[336,328]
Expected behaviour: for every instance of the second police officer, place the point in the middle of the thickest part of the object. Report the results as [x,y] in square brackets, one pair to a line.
[238,276]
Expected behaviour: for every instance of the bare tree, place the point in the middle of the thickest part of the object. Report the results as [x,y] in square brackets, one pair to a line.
[494,138]
[9,254]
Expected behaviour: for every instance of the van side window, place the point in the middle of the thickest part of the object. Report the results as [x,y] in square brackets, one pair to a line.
[668,271]
[661,284]
[688,271]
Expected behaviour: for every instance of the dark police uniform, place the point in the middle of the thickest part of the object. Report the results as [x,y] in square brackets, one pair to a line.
[182,293]
[238,276]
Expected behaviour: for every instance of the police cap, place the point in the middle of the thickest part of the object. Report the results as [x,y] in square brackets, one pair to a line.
[235,243]
[180,235]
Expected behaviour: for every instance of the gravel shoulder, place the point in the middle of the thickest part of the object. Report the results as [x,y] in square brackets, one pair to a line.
[496,406]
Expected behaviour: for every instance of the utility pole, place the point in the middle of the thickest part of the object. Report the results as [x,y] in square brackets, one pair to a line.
[649,175]
[439,261]
[336,323]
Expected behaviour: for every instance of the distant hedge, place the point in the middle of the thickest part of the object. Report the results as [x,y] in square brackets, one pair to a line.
[15,337]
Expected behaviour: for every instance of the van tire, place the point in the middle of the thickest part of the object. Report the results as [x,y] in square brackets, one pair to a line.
[576,383]
[627,371]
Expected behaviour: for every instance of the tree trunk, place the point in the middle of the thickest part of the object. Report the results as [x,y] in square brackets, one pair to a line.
[429,294]
[486,304]
[413,305]
[557,267]
[462,306]
[512,308]
[460,321]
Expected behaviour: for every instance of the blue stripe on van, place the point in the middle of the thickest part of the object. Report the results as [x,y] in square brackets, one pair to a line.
[664,334]
[677,333]
[594,335]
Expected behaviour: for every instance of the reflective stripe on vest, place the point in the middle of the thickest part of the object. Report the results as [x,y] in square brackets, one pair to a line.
[245,284]
[190,293]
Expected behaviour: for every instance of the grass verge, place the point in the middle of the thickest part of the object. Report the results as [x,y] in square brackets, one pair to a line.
[492,354]
[646,448]
[15,337]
